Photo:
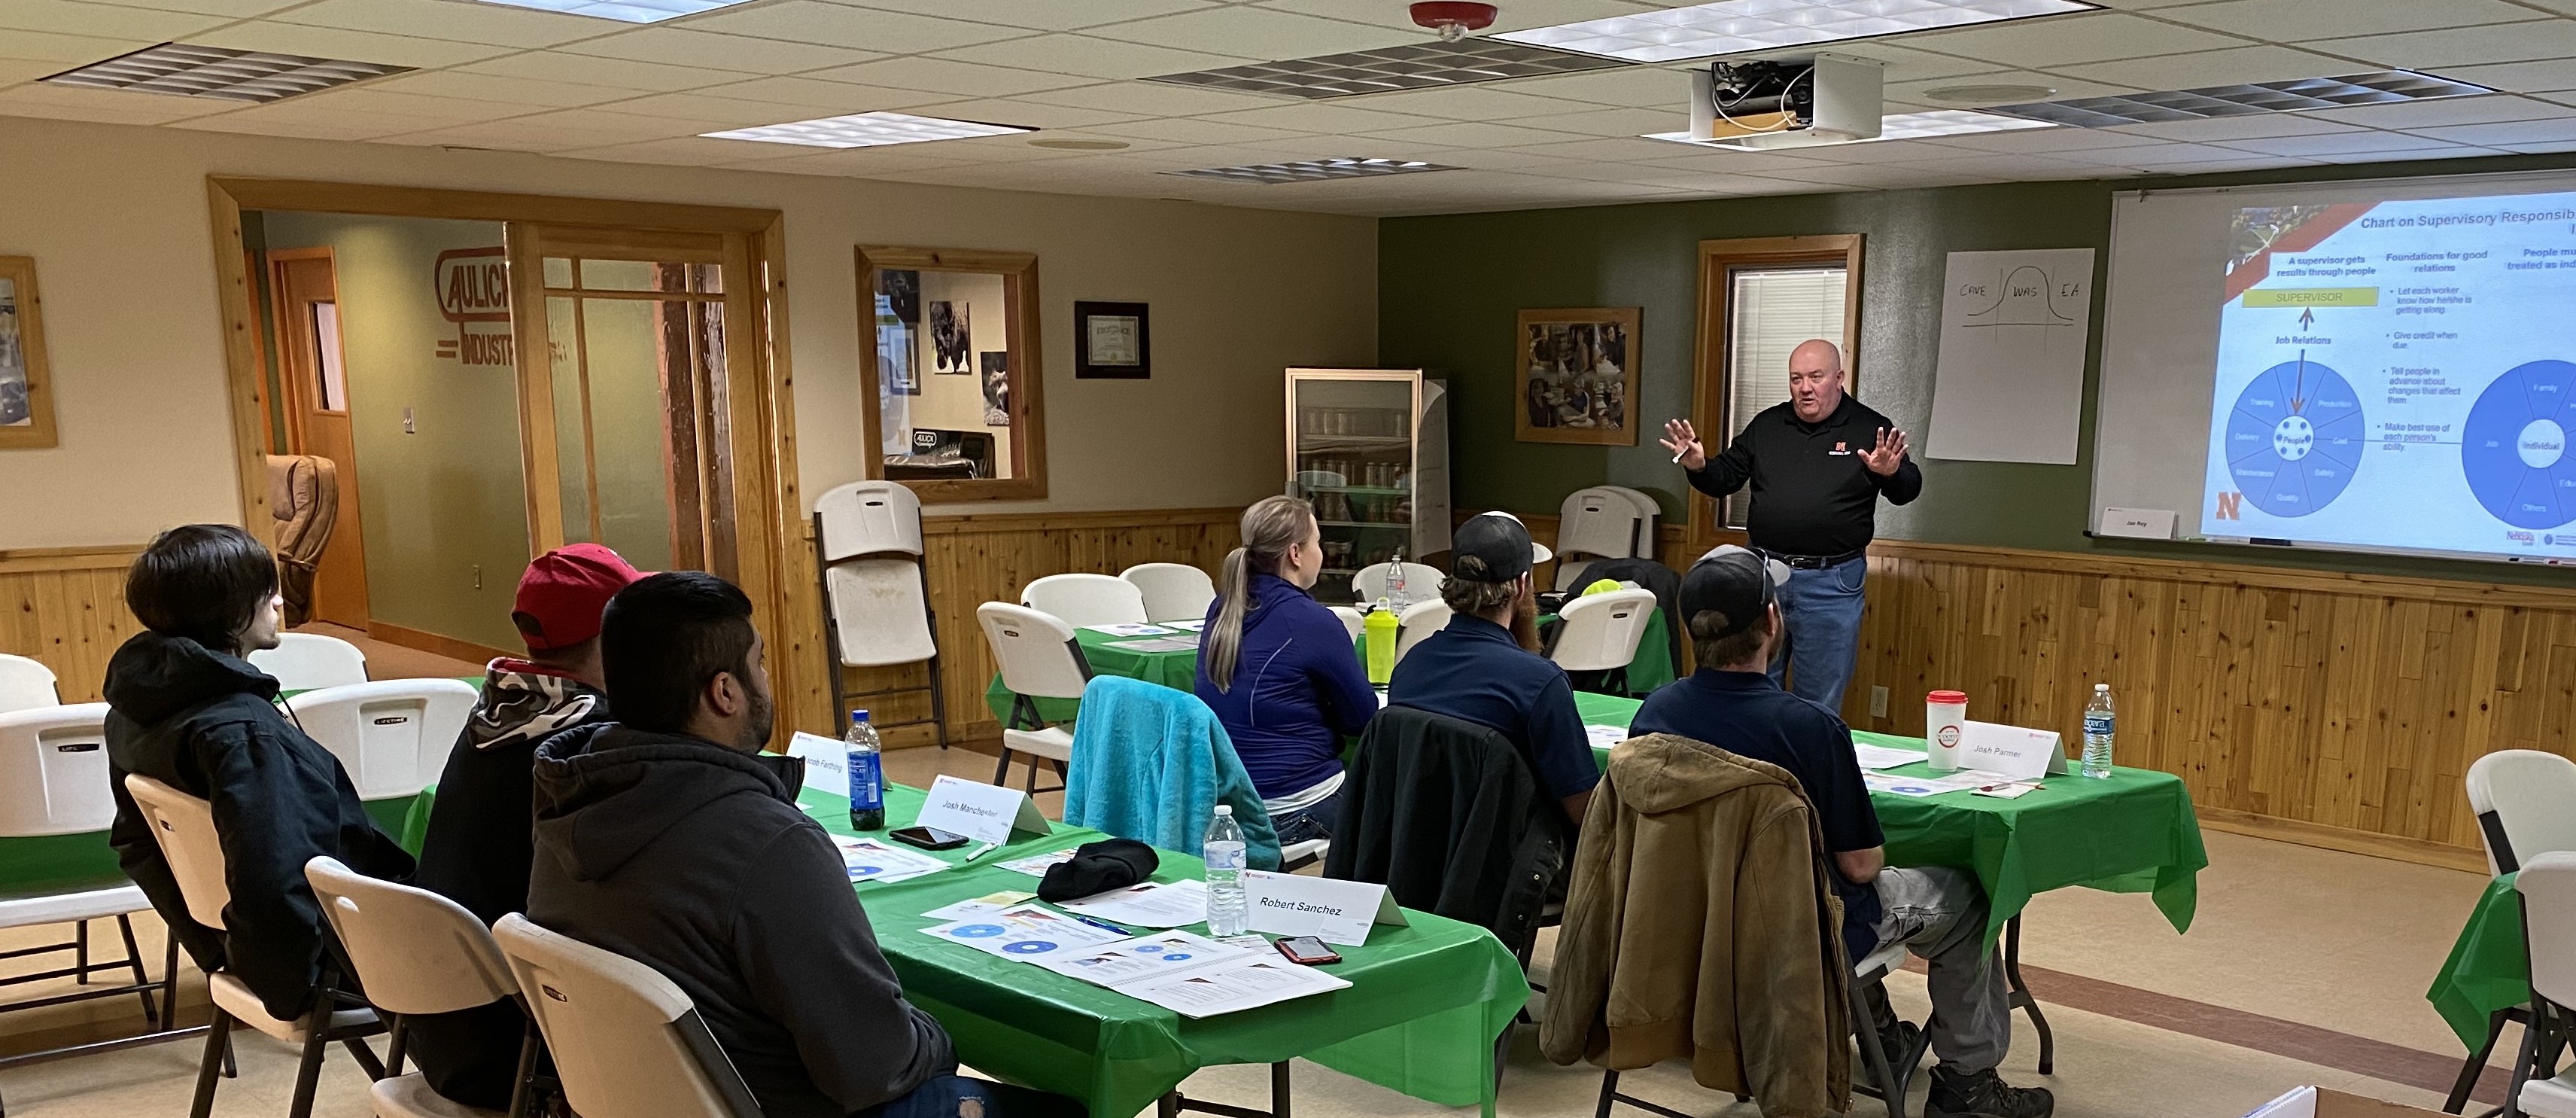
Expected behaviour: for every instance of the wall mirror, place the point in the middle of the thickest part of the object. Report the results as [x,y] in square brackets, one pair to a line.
[951,372]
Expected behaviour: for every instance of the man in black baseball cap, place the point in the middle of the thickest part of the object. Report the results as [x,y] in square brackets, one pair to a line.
[1730,600]
[1483,667]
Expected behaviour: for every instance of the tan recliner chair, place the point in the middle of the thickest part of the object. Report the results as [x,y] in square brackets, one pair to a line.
[304,496]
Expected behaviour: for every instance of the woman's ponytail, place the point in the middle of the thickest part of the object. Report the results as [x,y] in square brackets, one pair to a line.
[1270,527]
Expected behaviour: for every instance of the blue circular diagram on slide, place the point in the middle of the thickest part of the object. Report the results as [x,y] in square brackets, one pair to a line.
[2514,446]
[2295,438]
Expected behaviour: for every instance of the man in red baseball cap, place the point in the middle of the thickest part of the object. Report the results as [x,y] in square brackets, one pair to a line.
[478,848]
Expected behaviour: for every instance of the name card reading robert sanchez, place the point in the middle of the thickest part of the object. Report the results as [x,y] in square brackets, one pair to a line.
[1287,904]
[982,812]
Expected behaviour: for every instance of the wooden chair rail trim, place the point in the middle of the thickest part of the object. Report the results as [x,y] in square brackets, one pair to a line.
[102,557]
[2234,575]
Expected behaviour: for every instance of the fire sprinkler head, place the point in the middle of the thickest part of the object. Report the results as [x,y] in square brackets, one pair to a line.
[1454,19]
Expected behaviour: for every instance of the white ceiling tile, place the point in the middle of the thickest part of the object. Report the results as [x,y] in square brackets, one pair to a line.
[2449,110]
[1734,162]
[806,21]
[1485,101]
[2550,76]
[684,46]
[1904,95]
[2273,21]
[710,109]
[235,9]
[826,98]
[334,126]
[1472,134]
[561,131]
[1151,99]
[2335,144]
[1890,177]
[1039,16]
[1232,30]
[66,17]
[455,20]
[2220,166]
[655,77]
[10,105]
[2541,148]
[1094,57]
[355,46]
[942,75]
[1642,87]
[71,50]
[687,151]
[850,161]
[2234,127]
[2217,67]
[15,70]
[2169,155]
[1613,151]
[1516,16]
[2046,140]
[2060,40]
[494,87]
[431,111]
[1905,64]
[1198,131]
[115,106]
[1609,122]
[1336,119]
[2496,42]
[2018,168]
[2505,135]
[1025,114]
[2447,151]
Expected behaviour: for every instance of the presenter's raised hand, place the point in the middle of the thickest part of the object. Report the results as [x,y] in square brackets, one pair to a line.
[1889,454]
[1684,443]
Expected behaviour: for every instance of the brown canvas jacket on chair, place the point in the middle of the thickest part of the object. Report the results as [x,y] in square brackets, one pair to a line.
[1701,924]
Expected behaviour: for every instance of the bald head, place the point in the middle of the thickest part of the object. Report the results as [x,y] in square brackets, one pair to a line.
[1815,379]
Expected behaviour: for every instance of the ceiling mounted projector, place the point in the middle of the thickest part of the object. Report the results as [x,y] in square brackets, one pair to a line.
[1786,103]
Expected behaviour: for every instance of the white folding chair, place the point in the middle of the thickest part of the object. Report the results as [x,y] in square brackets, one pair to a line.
[1601,522]
[1353,619]
[184,826]
[1173,591]
[392,735]
[1421,582]
[625,1040]
[1040,660]
[416,952]
[53,781]
[26,683]
[1417,623]
[1599,633]
[2548,886]
[308,661]
[1082,599]
[876,591]
[2525,803]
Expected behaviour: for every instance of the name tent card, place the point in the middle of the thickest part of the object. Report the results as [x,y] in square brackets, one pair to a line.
[982,812]
[1288,904]
[2016,752]
[827,762]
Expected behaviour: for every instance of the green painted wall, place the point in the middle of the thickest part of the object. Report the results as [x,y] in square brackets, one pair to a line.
[1449,288]
[448,500]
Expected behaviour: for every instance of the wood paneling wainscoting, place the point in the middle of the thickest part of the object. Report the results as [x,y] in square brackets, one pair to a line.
[2328,709]
[65,606]
[988,557]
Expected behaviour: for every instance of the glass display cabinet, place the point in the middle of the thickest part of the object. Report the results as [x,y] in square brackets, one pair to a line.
[1370,449]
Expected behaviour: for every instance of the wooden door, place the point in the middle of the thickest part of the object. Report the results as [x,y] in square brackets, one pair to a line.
[305,289]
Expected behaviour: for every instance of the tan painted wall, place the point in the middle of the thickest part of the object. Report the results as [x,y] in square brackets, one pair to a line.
[116,219]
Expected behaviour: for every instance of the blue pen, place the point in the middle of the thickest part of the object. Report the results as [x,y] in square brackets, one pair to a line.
[1103,925]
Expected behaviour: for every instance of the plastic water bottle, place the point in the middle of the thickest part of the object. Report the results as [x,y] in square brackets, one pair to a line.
[1225,862]
[2098,724]
[1397,594]
[867,778]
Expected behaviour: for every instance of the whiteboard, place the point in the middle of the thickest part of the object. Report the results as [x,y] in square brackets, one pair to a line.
[2010,383]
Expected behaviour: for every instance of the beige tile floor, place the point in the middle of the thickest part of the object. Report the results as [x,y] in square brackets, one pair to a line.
[2337,941]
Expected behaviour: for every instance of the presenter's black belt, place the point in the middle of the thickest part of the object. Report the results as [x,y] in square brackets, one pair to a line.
[1812,562]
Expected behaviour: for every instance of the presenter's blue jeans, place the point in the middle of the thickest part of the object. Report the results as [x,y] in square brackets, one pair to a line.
[958,1096]
[1822,611]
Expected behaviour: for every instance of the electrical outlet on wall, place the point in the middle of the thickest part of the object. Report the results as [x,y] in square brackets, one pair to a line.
[409,428]
[1878,702]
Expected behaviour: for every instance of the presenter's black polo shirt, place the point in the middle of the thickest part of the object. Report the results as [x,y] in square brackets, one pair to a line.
[1746,714]
[1811,494]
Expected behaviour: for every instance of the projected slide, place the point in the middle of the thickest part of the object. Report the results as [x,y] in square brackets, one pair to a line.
[2399,375]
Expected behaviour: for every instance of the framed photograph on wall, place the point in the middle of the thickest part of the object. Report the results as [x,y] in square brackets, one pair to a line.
[1111,340]
[26,392]
[1578,375]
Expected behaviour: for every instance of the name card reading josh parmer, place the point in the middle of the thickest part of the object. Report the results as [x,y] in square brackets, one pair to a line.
[1334,911]
[983,812]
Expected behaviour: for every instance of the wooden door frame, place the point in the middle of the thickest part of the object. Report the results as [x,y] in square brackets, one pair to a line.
[777,568]
[1707,527]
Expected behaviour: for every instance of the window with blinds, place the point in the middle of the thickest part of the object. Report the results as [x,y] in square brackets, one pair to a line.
[1770,309]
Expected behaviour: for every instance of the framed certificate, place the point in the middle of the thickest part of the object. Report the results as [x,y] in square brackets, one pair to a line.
[1111,340]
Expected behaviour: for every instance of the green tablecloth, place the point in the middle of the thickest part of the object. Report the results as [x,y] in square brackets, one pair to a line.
[2489,968]
[51,864]
[2130,832]
[1425,1005]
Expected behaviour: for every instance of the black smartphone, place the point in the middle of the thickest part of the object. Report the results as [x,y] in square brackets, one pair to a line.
[1306,951]
[927,838]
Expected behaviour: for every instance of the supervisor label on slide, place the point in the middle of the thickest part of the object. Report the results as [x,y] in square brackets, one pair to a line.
[2397,375]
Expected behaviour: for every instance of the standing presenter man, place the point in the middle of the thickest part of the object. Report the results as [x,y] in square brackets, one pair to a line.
[1818,464]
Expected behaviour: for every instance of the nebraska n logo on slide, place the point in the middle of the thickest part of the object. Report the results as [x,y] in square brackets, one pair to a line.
[2231,506]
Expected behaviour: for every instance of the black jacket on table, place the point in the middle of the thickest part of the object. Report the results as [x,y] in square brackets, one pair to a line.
[207,724]
[1449,816]
[693,859]
[1811,494]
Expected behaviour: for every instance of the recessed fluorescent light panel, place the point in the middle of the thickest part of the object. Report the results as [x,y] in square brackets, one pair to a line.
[1313,170]
[867,130]
[1411,66]
[2380,88]
[623,11]
[228,75]
[1739,26]
[1901,126]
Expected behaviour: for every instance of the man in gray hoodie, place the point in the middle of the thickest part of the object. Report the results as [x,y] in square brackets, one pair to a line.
[670,838]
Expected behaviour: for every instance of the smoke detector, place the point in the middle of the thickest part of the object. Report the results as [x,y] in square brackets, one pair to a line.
[1452,19]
